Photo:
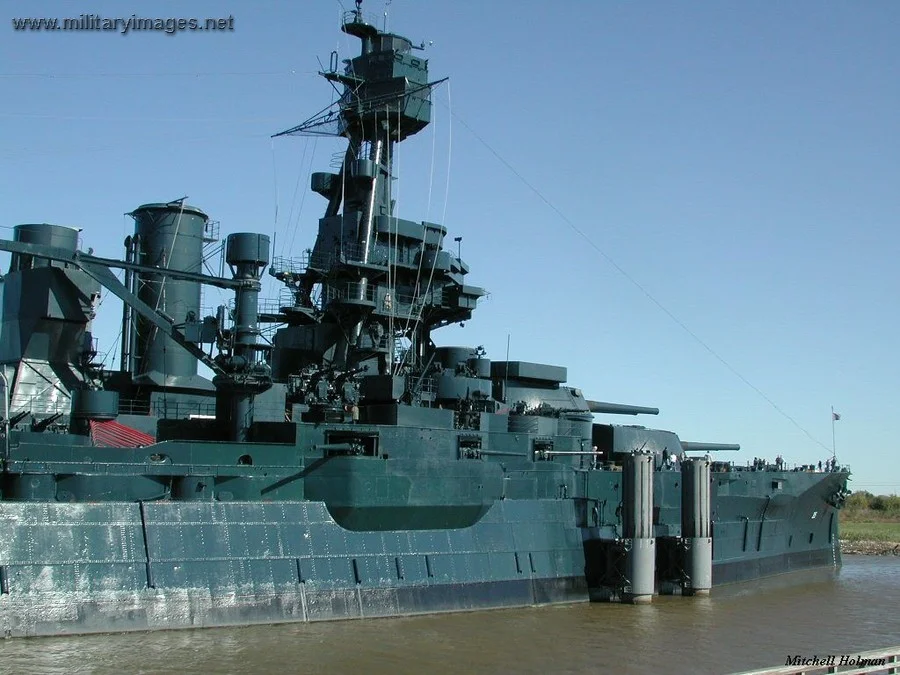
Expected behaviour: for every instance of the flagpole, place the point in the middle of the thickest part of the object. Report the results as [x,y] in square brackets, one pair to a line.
[833,452]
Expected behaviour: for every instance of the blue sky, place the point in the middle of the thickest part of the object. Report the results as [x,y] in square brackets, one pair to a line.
[736,161]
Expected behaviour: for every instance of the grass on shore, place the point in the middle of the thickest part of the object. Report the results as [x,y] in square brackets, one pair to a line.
[868,517]
[853,514]
[869,531]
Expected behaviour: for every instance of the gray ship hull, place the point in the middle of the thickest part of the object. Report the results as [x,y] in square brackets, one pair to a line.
[81,568]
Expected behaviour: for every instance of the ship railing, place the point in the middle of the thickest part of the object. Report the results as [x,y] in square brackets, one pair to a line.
[286,298]
[350,253]
[281,264]
[39,405]
[323,260]
[358,16]
[165,409]
[186,409]
[409,299]
[428,385]
[270,305]
[134,406]
[401,306]
[858,663]
[273,305]
[181,409]
[410,304]
[211,232]
[350,290]
[785,467]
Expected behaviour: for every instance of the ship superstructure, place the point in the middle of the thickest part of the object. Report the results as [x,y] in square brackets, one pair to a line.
[350,467]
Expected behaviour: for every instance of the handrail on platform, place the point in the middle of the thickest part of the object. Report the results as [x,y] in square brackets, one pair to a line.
[877,661]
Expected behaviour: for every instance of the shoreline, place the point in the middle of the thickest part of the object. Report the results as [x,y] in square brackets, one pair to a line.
[870,547]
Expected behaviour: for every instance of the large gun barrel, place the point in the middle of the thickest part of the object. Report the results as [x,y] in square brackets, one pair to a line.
[620,408]
[691,446]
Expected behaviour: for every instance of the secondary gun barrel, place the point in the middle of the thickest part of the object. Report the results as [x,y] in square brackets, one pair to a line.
[620,408]
[691,446]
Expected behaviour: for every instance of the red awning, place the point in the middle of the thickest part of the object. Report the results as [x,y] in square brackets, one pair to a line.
[111,434]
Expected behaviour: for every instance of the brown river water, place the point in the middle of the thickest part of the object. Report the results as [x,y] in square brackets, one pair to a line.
[739,629]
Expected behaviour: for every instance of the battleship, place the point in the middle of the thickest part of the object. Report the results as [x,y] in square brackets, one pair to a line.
[330,460]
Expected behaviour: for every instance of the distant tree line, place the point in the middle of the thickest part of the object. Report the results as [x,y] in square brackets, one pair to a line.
[887,504]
